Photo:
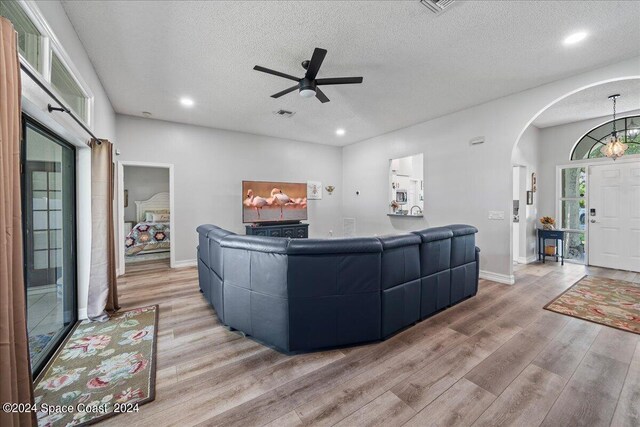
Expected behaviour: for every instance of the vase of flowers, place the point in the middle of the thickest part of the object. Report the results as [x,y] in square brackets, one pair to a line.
[548,223]
[394,205]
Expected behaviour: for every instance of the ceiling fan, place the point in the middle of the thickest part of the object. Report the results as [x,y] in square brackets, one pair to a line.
[308,85]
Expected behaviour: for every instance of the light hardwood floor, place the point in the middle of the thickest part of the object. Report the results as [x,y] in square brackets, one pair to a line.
[496,359]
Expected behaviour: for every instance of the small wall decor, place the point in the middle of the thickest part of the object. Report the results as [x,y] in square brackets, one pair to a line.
[330,189]
[314,190]
[529,197]
[126,198]
[534,182]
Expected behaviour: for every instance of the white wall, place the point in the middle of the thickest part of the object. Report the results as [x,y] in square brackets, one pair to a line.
[462,182]
[526,154]
[142,183]
[103,125]
[210,164]
[556,144]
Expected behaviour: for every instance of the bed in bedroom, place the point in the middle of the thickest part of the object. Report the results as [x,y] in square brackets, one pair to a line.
[151,234]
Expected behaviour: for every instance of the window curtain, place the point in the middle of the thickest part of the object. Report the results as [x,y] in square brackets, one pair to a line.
[15,367]
[103,295]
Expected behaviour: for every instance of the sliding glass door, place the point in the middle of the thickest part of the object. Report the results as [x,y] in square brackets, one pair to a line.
[49,209]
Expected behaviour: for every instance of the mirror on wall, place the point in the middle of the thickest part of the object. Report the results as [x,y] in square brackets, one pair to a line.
[406,186]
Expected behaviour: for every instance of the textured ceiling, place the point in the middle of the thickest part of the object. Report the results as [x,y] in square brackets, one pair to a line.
[416,65]
[591,103]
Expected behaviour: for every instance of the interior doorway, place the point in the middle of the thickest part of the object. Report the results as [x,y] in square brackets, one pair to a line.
[614,216]
[145,216]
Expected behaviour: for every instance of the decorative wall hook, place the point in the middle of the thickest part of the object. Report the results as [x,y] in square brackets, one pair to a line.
[330,189]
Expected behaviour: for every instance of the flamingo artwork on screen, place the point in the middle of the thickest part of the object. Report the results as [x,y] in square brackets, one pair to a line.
[265,201]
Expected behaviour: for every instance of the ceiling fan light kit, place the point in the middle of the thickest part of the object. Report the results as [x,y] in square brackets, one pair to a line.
[308,85]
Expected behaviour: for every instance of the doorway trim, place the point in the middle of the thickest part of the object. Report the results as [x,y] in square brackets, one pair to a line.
[121,164]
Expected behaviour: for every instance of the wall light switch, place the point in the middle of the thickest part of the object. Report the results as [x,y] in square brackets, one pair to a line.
[496,215]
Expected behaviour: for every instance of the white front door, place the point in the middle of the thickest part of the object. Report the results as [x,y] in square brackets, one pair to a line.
[614,216]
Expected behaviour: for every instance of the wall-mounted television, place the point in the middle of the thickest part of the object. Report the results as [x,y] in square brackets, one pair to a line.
[265,201]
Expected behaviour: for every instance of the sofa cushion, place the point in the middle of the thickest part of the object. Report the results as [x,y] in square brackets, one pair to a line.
[462,229]
[463,244]
[400,307]
[203,242]
[214,260]
[435,256]
[435,233]
[205,281]
[464,282]
[435,293]
[333,274]
[400,260]
[399,240]
[276,245]
[215,296]
[334,246]
[333,320]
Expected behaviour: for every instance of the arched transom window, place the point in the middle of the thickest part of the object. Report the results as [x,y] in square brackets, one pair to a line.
[589,145]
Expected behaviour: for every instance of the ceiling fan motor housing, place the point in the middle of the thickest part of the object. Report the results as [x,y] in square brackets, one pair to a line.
[307,87]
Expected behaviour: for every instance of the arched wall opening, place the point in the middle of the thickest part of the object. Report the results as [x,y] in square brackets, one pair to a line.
[524,157]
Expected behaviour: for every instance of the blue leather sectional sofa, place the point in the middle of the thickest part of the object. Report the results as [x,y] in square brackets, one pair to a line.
[308,294]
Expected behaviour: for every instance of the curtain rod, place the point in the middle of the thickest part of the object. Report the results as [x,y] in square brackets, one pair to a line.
[61,107]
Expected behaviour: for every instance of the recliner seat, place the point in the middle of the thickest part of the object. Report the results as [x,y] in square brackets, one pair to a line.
[307,294]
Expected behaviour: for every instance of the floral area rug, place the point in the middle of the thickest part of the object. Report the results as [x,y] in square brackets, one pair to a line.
[610,302]
[102,369]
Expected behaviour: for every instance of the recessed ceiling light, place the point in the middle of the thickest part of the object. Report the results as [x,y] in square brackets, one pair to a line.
[339,132]
[575,38]
[187,102]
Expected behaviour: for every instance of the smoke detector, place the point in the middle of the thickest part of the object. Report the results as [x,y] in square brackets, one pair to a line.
[437,6]
[284,113]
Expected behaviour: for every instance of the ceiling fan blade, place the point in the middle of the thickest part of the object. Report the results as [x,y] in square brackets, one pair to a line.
[315,63]
[275,73]
[321,96]
[339,81]
[284,92]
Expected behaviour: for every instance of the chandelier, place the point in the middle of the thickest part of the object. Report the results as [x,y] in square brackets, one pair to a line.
[615,146]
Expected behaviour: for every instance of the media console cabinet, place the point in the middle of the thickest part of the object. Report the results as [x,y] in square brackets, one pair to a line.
[293,231]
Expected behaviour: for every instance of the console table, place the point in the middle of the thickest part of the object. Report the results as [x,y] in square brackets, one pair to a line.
[558,236]
[294,231]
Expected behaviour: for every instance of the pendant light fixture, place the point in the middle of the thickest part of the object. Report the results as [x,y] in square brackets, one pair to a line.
[615,146]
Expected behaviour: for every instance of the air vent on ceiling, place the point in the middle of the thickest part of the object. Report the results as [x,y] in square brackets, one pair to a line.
[436,6]
[284,113]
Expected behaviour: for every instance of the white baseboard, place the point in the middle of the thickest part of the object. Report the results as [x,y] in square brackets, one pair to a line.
[185,263]
[496,277]
[527,260]
[82,313]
